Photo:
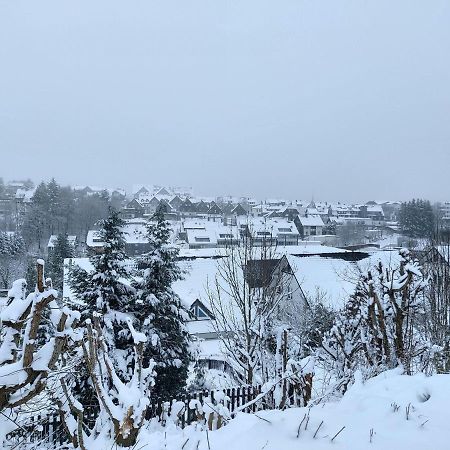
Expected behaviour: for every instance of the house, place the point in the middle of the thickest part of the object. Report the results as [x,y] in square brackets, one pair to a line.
[202,207]
[187,208]
[208,234]
[444,214]
[315,278]
[269,231]
[52,242]
[135,235]
[176,203]
[373,212]
[94,242]
[151,204]
[133,209]
[309,225]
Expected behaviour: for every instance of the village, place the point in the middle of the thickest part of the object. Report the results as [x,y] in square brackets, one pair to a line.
[319,247]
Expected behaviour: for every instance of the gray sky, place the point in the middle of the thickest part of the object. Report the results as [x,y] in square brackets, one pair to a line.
[333,99]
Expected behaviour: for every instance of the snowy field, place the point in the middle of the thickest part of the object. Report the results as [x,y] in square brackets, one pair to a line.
[389,412]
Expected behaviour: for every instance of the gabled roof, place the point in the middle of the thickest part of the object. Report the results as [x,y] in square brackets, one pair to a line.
[163,191]
[201,207]
[135,203]
[239,210]
[329,279]
[311,221]
[214,208]
[200,304]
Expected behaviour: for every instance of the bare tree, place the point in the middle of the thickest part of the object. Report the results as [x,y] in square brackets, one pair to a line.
[244,298]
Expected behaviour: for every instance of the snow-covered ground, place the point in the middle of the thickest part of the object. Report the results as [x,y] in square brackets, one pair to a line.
[391,411]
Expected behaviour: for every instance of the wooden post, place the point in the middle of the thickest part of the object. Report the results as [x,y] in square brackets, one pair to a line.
[284,354]
[40,275]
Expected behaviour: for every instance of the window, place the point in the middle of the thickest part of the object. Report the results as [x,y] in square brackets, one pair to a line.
[199,313]
[202,239]
[285,230]
[263,233]
[214,364]
[226,236]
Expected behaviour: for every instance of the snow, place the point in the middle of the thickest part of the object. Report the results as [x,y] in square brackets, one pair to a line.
[309,248]
[389,412]
[86,265]
[199,273]
[54,237]
[333,278]
[311,221]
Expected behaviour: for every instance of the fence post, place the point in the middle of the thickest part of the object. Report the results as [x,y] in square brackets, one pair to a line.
[233,400]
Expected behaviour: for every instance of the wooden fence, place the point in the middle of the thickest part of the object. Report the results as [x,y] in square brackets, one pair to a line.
[49,428]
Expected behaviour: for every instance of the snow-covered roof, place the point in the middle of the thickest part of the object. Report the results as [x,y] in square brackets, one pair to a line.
[275,226]
[334,279]
[311,221]
[135,232]
[54,237]
[199,273]
[208,232]
[306,248]
[25,194]
[194,253]
[375,208]
[93,239]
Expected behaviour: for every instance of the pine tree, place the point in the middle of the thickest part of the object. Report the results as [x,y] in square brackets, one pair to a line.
[12,251]
[104,293]
[161,312]
[416,218]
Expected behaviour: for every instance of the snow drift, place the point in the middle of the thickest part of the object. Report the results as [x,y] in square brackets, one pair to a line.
[390,411]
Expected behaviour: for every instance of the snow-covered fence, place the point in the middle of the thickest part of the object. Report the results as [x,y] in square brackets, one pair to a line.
[44,428]
[212,407]
[231,398]
[182,411]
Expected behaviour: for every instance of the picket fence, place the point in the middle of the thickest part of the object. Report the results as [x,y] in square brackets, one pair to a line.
[48,428]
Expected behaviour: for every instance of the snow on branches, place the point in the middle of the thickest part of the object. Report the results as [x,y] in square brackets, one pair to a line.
[379,326]
[123,403]
[25,360]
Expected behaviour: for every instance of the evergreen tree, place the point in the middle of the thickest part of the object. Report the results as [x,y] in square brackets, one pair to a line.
[103,292]
[35,227]
[161,313]
[61,250]
[416,218]
[12,252]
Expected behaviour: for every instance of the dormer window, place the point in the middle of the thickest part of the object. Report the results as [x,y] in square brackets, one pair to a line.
[199,313]
[202,239]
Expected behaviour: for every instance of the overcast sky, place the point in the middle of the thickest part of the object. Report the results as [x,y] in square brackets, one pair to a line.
[329,99]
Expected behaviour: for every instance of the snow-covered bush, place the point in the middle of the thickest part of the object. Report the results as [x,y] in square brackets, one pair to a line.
[379,326]
[123,403]
[26,362]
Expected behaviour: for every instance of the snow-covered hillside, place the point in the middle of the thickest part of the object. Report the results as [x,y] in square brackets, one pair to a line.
[388,412]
